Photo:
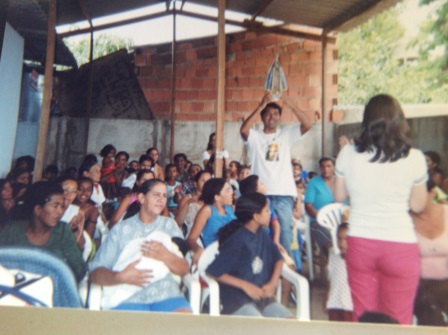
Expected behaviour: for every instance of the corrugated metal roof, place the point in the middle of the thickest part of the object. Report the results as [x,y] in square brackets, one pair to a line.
[29,17]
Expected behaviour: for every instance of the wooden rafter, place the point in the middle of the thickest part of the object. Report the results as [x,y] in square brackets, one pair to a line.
[261,9]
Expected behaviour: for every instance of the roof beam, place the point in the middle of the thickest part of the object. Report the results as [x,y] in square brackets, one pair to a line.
[258,26]
[247,24]
[261,9]
[113,24]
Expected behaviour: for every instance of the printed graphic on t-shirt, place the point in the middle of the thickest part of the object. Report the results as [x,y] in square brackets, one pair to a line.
[257,265]
[272,152]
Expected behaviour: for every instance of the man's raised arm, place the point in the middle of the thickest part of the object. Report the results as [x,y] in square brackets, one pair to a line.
[249,122]
[306,123]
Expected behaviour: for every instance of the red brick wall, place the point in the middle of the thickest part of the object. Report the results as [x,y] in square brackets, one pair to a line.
[249,57]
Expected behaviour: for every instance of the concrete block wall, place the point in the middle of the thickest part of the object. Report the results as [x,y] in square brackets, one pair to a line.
[66,140]
[249,56]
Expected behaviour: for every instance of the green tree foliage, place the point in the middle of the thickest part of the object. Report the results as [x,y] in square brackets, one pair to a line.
[368,63]
[103,44]
[433,50]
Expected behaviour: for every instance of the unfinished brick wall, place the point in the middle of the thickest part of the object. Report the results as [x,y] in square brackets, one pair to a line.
[249,56]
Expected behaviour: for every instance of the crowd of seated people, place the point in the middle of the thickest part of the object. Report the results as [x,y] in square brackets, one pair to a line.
[119,202]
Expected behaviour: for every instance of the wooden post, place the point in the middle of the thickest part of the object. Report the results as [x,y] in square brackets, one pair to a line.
[221,89]
[324,86]
[89,96]
[47,93]
[173,85]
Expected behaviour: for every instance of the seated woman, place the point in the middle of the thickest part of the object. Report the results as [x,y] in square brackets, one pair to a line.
[129,199]
[319,193]
[90,169]
[249,264]
[162,295]
[87,206]
[253,184]
[216,213]
[431,227]
[73,215]
[158,169]
[190,204]
[44,206]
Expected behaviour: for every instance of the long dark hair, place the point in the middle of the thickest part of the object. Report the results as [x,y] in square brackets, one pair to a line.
[106,149]
[246,207]
[384,130]
[147,186]
[212,187]
[209,144]
[249,184]
[139,175]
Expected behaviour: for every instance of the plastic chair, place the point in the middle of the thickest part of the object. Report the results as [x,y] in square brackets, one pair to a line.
[330,217]
[304,226]
[212,291]
[38,261]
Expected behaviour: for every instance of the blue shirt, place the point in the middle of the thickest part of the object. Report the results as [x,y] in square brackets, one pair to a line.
[318,193]
[215,222]
[247,256]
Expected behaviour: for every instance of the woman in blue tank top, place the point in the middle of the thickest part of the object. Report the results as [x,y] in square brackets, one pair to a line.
[216,213]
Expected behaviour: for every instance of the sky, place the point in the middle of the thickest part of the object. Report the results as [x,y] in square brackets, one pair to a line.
[160,30]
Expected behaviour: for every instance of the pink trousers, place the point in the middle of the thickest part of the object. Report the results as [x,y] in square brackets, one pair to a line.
[383,277]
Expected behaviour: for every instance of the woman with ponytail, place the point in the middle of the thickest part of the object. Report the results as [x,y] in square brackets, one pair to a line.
[249,264]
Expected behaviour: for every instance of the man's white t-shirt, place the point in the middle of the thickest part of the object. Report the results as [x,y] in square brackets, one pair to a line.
[270,158]
[380,193]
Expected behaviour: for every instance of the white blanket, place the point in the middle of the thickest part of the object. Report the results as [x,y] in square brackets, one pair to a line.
[114,295]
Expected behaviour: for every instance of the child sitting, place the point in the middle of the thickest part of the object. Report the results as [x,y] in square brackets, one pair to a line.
[339,301]
[249,264]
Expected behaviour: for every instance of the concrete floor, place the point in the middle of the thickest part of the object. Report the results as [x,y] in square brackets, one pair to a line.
[318,288]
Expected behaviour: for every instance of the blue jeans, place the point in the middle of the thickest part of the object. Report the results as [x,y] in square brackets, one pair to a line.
[284,206]
[273,310]
[167,305]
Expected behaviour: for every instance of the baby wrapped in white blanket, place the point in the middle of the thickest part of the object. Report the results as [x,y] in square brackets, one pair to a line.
[114,295]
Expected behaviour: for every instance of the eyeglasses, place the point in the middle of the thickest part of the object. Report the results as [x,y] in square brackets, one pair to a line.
[68,191]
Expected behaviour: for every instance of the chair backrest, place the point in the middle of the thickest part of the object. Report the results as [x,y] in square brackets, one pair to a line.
[330,217]
[38,261]
[208,257]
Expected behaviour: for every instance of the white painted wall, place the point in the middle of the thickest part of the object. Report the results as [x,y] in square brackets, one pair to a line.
[10,80]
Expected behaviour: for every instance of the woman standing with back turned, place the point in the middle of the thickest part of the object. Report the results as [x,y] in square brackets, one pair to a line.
[385,179]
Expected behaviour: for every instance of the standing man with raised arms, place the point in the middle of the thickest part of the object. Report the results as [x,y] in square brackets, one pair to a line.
[270,157]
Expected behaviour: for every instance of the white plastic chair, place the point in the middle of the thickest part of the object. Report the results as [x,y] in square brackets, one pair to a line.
[212,291]
[330,217]
[304,226]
